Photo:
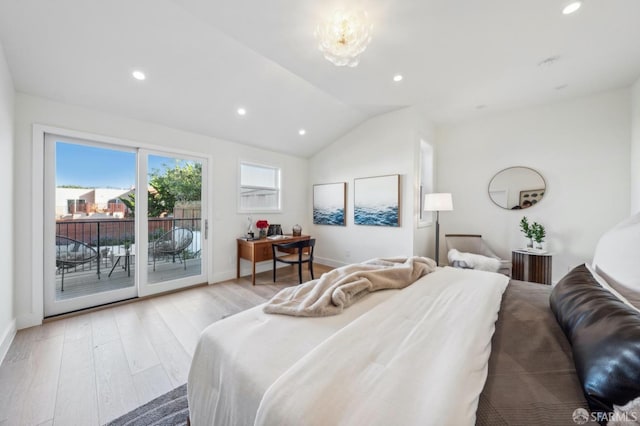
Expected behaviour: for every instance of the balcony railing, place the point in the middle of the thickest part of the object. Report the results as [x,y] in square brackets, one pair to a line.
[105,234]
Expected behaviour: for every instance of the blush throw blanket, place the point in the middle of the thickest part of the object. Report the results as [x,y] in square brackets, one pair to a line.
[340,288]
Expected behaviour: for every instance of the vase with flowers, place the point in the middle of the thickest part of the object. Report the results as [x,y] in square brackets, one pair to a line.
[262,225]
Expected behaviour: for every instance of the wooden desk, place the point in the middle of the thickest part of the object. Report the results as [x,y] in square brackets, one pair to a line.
[260,250]
[531,266]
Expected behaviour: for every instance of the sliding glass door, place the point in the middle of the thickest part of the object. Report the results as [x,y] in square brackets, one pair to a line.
[173,222]
[120,222]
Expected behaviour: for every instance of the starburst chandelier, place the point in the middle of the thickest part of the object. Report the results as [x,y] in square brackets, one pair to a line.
[344,36]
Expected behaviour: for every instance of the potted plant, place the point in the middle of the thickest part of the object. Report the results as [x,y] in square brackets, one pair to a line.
[527,230]
[539,234]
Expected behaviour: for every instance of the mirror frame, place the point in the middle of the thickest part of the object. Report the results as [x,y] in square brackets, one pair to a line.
[509,168]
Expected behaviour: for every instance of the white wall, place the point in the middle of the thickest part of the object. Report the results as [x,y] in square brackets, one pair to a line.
[635,147]
[384,145]
[7,315]
[227,224]
[581,147]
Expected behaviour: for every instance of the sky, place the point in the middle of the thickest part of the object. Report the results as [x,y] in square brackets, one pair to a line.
[94,167]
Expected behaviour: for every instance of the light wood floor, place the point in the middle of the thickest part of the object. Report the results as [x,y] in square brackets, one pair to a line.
[91,368]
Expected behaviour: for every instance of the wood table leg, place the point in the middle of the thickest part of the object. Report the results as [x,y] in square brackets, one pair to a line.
[253,271]
[238,262]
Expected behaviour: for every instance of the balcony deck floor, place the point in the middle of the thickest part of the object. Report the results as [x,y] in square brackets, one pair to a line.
[86,282]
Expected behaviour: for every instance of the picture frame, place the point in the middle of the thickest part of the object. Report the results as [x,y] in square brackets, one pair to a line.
[532,196]
[330,204]
[376,201]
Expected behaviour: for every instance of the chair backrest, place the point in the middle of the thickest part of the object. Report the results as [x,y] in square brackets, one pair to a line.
[73,252]
[469,243]
[300,246]
[174,241]
[311,242]
[466,243]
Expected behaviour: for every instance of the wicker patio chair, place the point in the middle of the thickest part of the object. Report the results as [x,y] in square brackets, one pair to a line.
[71,253]
[173,243]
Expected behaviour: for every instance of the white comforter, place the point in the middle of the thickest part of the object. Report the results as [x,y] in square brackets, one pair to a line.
[414,356]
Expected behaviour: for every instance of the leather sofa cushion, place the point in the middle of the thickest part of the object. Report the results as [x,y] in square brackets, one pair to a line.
[605,339]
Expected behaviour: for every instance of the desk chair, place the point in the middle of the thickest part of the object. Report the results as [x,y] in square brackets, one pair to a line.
[298,252]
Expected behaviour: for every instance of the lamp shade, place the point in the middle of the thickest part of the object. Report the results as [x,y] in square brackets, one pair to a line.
[438,202]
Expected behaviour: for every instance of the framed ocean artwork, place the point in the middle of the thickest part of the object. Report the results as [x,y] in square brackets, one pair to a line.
[329,203]
[377,201]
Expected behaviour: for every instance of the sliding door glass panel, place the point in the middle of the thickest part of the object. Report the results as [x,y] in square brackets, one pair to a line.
[174,218]
[91,230]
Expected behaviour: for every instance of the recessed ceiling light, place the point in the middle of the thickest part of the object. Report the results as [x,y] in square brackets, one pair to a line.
[397,77]
[571,7]
[138,75]
[242,111]
[302,132]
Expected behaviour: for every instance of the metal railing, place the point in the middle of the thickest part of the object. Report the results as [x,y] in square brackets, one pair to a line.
[104,234]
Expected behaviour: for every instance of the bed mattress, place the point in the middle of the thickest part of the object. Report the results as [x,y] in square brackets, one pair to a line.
[531,378]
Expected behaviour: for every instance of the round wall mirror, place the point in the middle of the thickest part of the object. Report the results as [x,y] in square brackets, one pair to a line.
[517,188]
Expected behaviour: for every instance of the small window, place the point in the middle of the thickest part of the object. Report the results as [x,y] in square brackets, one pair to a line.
[426,182]
[259,188]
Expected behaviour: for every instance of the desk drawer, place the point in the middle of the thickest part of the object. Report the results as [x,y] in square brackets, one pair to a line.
[263,253]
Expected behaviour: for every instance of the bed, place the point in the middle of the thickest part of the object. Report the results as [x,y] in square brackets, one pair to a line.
[471,360]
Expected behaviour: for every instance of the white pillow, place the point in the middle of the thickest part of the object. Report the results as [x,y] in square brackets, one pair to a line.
[617,259]
[628,414]
[606,285]
[474,261]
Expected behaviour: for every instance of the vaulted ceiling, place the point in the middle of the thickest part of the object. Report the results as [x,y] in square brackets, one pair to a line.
[204,59]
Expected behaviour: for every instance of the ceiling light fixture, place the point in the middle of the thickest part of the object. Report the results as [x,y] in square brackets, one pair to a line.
[344,36]
[242,111]
[302,132]
[397,78]
[571,7]
[138,75]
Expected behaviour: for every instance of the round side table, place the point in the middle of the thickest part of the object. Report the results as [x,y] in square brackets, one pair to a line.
[531,266]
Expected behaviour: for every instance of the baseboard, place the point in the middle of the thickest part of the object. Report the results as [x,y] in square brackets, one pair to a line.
[7,338]
[329,262]
[223,276]
[29,320]
[231,274]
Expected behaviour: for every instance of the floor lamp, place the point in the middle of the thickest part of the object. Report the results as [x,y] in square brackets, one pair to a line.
[438,202]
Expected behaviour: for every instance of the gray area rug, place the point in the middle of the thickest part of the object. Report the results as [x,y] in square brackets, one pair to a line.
[170,409]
